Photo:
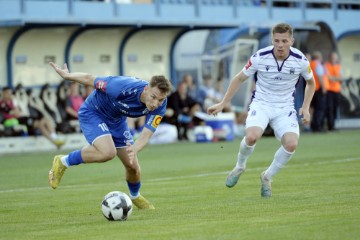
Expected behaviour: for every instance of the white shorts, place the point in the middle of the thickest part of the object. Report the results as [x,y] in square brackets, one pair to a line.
[282,120]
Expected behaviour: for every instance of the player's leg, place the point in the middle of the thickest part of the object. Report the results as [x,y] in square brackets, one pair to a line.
[48,131]
[101,148]
[133,179]
[121,135]
[286,129]
[256,122]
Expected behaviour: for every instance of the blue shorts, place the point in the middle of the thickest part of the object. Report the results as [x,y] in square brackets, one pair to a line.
[94,125]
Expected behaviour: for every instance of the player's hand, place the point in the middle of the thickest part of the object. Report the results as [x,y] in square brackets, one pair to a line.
[215,109]
[130,152]
[305,116]
[63,72]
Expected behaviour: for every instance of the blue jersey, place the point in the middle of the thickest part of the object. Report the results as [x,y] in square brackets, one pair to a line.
[117,97]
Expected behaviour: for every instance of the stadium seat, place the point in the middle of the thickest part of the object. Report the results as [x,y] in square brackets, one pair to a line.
[48,96]
[61,94]
[22,100]
[36,103]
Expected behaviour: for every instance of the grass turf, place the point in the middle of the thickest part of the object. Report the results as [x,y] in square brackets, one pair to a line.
[316,196]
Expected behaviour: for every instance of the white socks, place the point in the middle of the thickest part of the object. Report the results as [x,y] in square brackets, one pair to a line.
[63,161]
[53,135]
[280,159]
[244,153]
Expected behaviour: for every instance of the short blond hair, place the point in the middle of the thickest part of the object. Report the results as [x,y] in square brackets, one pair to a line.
[282,28]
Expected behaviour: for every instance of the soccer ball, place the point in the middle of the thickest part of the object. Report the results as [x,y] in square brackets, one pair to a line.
[116,206]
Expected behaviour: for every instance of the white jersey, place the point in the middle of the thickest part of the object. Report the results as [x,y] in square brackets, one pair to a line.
[276,81]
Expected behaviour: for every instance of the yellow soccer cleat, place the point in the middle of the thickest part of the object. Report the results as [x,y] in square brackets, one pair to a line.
[56,172]
[141,203]
[59,143]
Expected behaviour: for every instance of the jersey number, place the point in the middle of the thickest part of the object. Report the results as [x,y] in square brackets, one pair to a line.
[103,127]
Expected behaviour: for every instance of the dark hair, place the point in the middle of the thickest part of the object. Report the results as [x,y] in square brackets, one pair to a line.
[6,88]
[282,28]
[162,83]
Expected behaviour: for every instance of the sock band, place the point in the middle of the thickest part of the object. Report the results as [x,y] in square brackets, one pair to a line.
[244,153]
[75,158]
[134,189]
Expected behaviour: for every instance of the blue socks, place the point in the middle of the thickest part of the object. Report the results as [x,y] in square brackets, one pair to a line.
[134,189]
[74,158]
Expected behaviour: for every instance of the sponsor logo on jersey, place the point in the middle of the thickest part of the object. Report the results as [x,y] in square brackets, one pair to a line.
[155,123]
[292,70]
[248,64]
[127,134]
[101,85]
[267,67]
[309,69]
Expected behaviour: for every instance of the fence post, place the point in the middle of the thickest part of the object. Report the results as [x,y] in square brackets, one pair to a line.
[197,8]
[335,9]
[234,6]
[70,7]
[115,8]
[157,8]
[269,4]
[22,7]
[303,9]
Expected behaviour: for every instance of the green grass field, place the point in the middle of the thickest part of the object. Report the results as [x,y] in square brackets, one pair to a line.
[317,195]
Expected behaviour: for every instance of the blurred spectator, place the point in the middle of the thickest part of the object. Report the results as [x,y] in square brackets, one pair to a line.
[219,94]
[180,110]
[207,92]
[333,70]
[88,91]
[319,100]
[35,121]
[136,125]
[73,101]
[10,113]
[192,90]
[66,126]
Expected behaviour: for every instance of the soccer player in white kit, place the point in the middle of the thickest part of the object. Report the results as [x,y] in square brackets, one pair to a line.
[277,70]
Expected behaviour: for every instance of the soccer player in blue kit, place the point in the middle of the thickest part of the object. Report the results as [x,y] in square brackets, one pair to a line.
[102,119]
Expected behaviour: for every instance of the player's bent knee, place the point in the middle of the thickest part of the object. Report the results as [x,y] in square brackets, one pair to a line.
[251,139]
[290,146]
[108,155]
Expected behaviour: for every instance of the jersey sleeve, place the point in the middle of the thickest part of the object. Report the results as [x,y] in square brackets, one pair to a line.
[306,71]
[111,85]
[252,65]
[153,119]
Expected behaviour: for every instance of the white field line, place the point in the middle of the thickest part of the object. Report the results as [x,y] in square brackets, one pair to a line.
[180,177]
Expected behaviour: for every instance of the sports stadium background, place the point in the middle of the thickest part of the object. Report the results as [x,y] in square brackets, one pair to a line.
[170,37]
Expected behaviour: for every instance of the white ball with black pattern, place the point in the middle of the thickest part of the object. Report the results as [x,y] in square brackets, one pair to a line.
[116,206]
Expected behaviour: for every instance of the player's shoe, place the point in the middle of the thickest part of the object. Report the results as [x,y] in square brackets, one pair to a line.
[58,142]
[233,177]
[141,203]
[56,172]
[265,186]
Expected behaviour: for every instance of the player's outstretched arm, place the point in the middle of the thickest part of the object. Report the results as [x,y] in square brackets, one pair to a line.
[143,140]
[308,95]
[235,83]
[140,143]
[83,78]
